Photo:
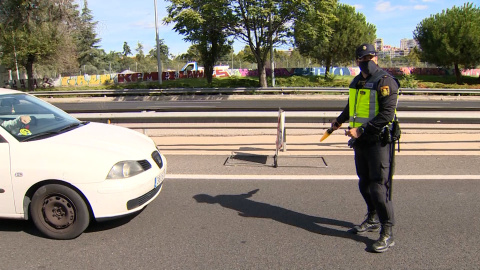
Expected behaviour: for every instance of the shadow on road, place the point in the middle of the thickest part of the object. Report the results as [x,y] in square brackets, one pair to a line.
[15,225]
[108,224]
[27,226]
[250,208]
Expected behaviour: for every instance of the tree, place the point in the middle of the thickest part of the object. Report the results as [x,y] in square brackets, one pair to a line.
[126,61]
[164,53]
[113,61]
[205,24]
[192,54]
[451,38]
[140,60]
[413,57]
[34,31]
[244,58]
[385,61]
[87,40]
[296,59]
[332,40]
[264,24]
[140,55]
[126,49]
[247,55]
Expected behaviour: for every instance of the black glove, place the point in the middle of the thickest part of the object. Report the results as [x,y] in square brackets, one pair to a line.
[335,125]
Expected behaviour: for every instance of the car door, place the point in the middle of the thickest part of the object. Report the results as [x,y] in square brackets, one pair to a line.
[7,206]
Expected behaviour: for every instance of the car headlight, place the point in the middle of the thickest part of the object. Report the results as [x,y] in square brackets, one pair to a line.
[125,169]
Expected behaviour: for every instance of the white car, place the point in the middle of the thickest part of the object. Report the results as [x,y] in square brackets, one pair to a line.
[62,173]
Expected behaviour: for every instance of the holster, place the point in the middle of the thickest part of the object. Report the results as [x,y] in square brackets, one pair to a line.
[385,136]
[391,133]
[395,132]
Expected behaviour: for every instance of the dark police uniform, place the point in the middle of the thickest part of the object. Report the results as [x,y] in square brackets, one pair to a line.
[378,93]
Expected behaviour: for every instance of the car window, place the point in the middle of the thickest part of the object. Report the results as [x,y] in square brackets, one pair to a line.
[25,116]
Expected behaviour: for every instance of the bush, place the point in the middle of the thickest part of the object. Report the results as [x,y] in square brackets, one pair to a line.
[408,81]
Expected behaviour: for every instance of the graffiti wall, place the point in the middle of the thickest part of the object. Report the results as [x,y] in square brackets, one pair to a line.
[93,80]
[88,80]
[23,83]
[418,71]
[153,76]
[285,72]
[471,72]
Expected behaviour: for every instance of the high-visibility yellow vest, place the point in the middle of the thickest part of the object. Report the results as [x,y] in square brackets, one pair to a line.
[363,103]
[363,106]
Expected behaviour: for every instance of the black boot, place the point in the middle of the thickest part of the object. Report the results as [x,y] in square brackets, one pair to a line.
[385,241]
[371,224]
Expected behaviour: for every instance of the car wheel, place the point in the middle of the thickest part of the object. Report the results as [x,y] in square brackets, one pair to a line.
[59,212]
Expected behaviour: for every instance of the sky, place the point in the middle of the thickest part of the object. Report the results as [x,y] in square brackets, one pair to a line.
[133,21]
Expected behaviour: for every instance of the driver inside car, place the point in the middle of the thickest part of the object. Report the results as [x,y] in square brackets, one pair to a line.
[14,126]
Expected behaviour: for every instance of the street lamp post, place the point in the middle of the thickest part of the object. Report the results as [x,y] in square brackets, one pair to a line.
[272,64]
[159,61]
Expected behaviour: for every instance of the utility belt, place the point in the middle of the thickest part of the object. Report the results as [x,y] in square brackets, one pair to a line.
[390,134]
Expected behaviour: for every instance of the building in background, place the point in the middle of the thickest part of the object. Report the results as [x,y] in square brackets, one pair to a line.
[408,44]
[379,44]
[388,51]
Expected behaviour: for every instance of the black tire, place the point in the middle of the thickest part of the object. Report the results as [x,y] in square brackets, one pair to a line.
[59,212]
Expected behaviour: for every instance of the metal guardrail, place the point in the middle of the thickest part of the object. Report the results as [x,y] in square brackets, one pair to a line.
[170,91]
[251,117]
[147,117]
[242,90]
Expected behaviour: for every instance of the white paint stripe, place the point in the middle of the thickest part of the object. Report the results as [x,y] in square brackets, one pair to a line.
[314,177]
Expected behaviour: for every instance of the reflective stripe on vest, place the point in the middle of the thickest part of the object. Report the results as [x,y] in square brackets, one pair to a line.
[363,106]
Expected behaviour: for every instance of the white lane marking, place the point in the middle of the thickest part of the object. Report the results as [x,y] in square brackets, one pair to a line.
[315,177]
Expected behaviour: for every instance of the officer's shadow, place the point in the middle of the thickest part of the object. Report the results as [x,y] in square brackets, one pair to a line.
[249,208]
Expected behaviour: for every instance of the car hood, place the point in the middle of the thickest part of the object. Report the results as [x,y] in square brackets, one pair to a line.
[88,151]
[121,142]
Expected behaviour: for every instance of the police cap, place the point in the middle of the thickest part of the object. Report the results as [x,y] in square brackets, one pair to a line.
[365,49]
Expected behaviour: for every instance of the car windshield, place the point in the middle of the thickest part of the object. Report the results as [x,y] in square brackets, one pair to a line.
[29,118]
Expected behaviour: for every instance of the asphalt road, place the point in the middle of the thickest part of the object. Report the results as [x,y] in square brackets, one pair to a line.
[212,214]
[229,222]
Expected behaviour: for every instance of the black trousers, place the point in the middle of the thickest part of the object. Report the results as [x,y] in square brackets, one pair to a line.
[372,162]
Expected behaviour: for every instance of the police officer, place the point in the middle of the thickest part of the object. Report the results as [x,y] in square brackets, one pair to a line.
[371,107]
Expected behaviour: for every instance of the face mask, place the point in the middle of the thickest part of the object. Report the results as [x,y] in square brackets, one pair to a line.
[367,66]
